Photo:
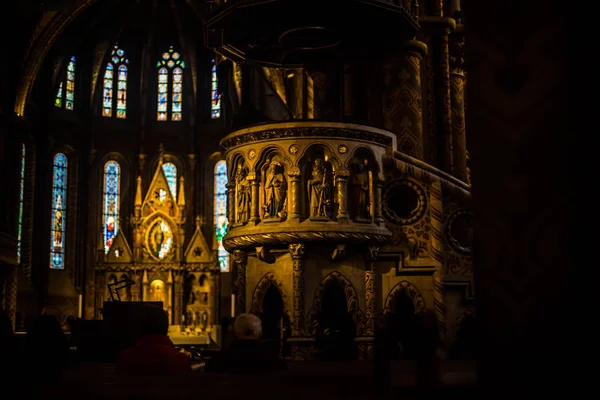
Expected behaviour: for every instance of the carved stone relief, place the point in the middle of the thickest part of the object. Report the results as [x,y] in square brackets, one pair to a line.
[320,191]
[275,188]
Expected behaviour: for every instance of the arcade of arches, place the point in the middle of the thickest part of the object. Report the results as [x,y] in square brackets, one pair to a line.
[145,160]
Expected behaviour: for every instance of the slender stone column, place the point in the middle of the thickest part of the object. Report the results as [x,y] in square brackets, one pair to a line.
[254,184]
[457,88]
[377,189]
[297,252]
[437,250]
[231,203]
[294,195]
[241,260]
[402,98]
[341,177]
[370,292]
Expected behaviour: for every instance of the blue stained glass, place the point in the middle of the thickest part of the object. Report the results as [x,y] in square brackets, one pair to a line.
[112,186]
[59,211]
[21,196]
[221,221]
[170,171]
[216,100]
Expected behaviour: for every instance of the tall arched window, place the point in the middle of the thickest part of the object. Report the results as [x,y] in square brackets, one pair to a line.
[170,69]
[67,97]
[215,107]
[112,190]
[221,213]
[59,212]
[21,193]
[170,171]
[118,63]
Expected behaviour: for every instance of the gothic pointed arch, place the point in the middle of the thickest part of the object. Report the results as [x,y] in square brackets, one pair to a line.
[410,291]
[352,303]
[258,296]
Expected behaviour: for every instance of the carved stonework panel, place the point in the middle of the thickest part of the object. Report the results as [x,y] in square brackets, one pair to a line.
[351,298]
[404,202]
[459,231]
[243,194]
[409,290]
[320,191]
[260,290]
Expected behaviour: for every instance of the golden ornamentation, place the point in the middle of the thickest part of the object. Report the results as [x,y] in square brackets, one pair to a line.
[342,149]
[303,132]
[282,238]
[252,154]
[297,253]
[294,149]
[159,239]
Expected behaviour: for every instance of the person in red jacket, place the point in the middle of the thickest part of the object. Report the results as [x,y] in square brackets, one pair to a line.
[154,353]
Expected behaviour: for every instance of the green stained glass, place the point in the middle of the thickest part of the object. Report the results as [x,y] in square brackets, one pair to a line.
[221,222]
[58,101]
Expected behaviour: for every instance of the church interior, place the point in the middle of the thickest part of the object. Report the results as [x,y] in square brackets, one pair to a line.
[337,168]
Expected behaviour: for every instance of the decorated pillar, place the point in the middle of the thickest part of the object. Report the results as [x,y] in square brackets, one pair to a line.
[240,259]
[341,178]
[254,210]
[437,30]
[370,293]
[231,203]
[457,88]
[402,105]
[294,195]
[377,200]
[437,251]
[297,252]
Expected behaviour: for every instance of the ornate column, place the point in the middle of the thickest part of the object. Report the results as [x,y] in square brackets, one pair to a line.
[231,203]
[294,195]
[254,209]
[297,252]
[457,88]
[377,200]
[437,252]
[370,292]
[402,105]
[437,30]
[341,179]
[240,258]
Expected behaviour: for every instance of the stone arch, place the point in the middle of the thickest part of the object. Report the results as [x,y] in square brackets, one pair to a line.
[325,147]
[260,290]
[352,303]
[411,291]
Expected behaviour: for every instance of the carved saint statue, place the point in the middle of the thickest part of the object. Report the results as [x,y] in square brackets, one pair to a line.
[360,191]
[243,194]
[319,191]
[275,191]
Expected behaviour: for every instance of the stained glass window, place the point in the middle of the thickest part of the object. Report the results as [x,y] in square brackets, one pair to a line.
[70,84]
[215,108]
[221,213]
[110,93]
[59,211]
[21,193]
[67,97]
[112,188]
[170,171]
[170,69]
[58,101]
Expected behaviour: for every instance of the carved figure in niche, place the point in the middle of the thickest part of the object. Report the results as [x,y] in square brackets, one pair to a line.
[197,318]
[205,298]
[243,194]
[319,190]
[359,186]
[275,191]
[189,318]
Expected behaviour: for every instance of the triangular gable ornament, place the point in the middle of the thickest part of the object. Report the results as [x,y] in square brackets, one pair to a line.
[198,250]
[159,197]
[119,251]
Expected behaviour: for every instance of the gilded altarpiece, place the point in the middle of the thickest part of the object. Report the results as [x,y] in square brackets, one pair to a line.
[161,263]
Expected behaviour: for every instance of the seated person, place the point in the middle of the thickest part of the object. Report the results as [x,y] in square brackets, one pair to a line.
[154,354]
[246,353]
